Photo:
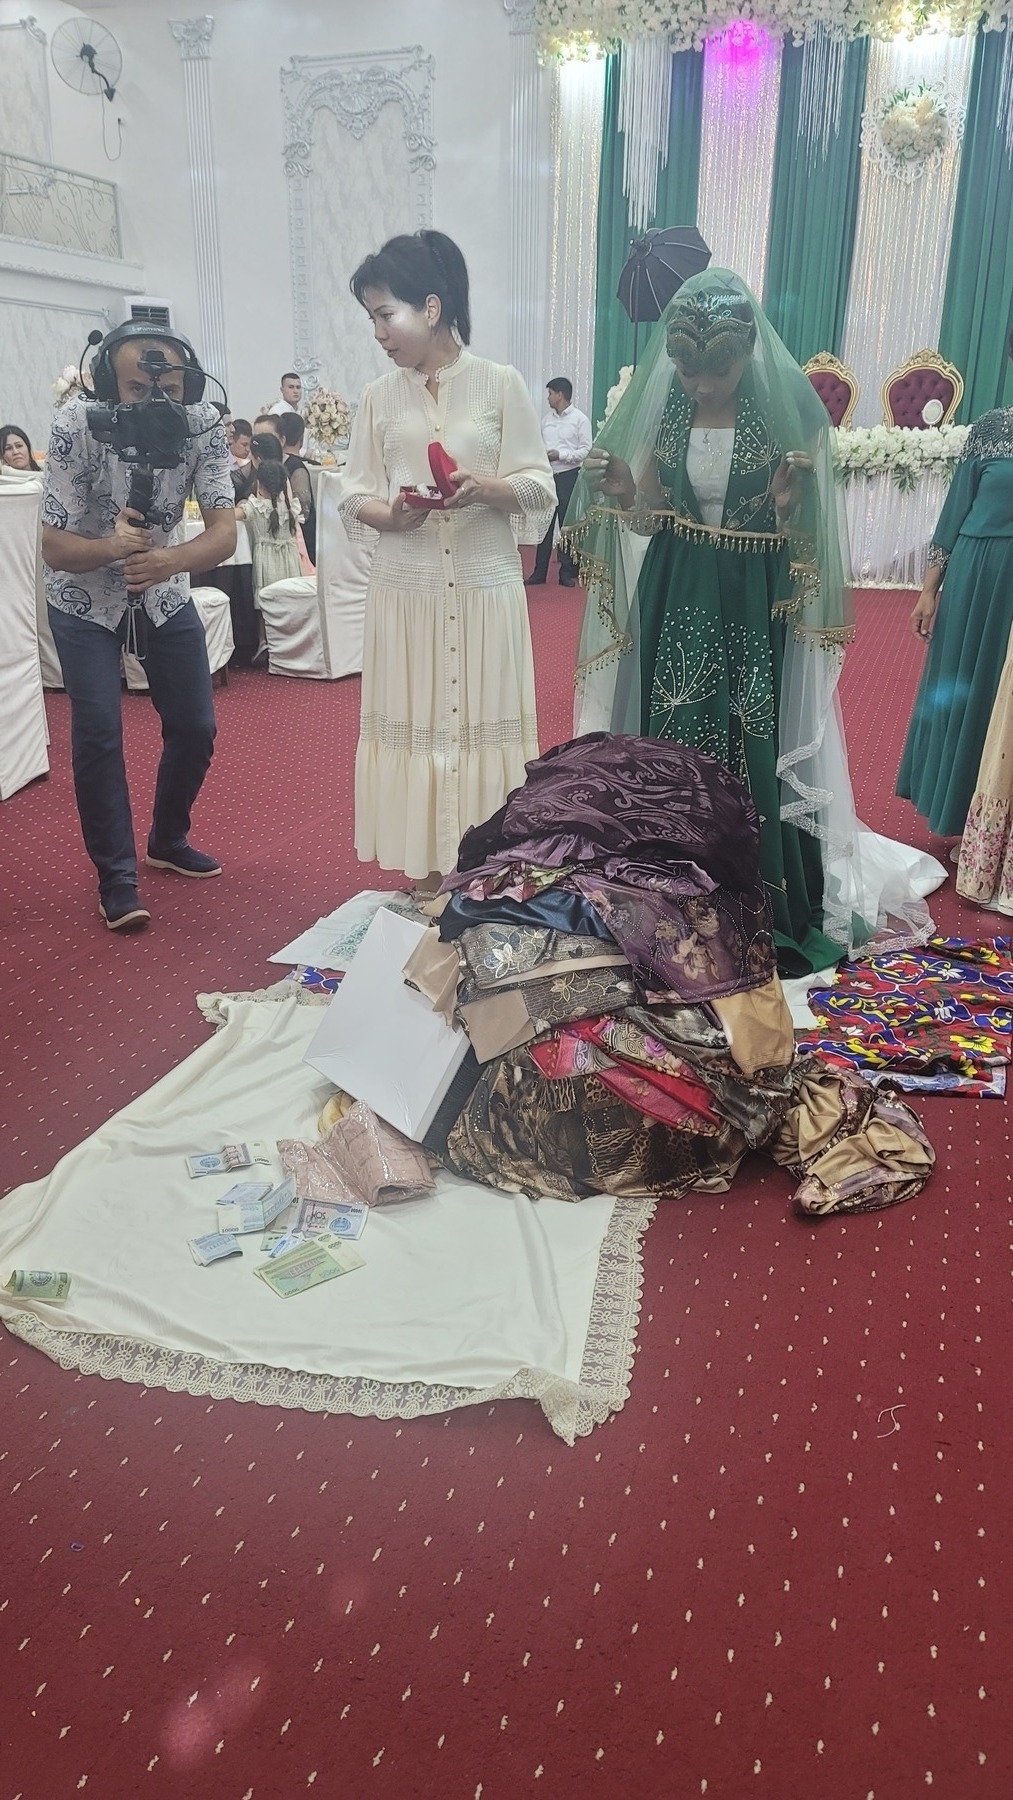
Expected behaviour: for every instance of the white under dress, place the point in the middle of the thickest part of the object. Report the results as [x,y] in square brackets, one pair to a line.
[448,688]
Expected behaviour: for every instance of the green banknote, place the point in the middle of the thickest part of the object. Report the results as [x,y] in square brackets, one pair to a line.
[40,1284]
[306,1266]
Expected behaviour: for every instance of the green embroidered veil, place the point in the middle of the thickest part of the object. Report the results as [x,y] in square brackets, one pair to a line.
[817,601]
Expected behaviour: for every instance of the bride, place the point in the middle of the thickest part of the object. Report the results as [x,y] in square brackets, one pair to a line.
[707,524]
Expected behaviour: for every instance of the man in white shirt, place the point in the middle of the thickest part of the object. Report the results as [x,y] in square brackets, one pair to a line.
[566,434]
[291,394]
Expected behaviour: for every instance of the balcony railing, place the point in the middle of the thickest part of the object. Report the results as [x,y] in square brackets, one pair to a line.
[41,204]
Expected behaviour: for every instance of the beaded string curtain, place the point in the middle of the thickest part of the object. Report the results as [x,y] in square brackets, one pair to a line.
[577,138]
[742,78]
[902,240]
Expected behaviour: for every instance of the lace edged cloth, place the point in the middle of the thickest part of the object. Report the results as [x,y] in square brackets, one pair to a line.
[572,1408]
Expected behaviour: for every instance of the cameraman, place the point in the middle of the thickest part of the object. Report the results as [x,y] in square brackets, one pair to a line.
[95,552]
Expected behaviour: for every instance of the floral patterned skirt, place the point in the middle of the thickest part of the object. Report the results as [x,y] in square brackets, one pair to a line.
[985,869]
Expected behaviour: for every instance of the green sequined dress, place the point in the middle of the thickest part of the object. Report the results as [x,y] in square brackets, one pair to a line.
[713,621]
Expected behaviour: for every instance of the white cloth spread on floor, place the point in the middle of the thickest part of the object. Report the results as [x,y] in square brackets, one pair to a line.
[467,1295]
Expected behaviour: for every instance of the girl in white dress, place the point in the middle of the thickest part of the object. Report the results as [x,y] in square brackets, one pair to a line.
[448,693]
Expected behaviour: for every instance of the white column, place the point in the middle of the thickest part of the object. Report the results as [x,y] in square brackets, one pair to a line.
[530,160]
[194,39]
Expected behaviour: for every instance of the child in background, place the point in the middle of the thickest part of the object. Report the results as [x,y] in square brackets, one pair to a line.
[272,520]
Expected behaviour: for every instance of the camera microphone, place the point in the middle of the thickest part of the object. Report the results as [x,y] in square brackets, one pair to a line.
[95,337]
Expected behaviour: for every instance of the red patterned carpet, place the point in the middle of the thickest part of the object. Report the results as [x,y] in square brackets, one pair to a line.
[780,1572]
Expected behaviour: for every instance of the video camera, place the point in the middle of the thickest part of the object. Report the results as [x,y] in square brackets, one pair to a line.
[152,433]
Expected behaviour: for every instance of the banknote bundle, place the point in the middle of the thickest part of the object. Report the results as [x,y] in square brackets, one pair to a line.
[39,1284]
[254,1205]
[213,1247]
[307,1265]
[219,1162]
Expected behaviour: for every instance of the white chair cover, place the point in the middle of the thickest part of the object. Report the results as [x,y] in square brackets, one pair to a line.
[216,618]
[314,623]
[23,736]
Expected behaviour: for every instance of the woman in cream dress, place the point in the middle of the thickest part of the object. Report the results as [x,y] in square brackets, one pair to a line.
[448,696]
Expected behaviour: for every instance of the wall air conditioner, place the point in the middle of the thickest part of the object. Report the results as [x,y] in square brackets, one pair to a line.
[147,311]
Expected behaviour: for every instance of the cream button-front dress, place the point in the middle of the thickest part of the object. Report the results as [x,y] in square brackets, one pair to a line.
[448,690]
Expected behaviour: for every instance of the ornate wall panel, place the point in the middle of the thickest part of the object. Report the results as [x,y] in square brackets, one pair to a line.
[24,91]
[39,341]
[359,161]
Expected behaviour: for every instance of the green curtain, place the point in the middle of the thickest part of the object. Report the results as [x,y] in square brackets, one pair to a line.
[678,184]
[814,208]
[978,301]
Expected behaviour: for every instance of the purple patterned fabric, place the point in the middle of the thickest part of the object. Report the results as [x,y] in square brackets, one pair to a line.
[668,846]
[700,949]
[644,799]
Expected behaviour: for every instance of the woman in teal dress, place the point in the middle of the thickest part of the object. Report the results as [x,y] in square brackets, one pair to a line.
[718,458]
[964,613]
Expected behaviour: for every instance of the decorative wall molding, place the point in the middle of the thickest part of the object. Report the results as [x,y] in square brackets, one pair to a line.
[25,119]
[40,338]
[356,90]
[530,165]
[81,267]
[522,16]
[194,39]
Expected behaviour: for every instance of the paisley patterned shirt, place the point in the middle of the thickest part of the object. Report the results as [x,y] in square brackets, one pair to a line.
[86,487]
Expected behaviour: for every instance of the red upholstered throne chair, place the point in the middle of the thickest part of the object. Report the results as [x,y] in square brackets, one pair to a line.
[925,391]
[835,385]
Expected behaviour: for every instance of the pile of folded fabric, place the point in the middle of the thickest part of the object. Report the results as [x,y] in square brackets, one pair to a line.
[606,944]
[938,1019]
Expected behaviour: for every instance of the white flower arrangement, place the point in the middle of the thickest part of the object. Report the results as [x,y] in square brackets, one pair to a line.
[616,393]
[67,385]
[914,126]
[328,418]
[900,451]
[582,27]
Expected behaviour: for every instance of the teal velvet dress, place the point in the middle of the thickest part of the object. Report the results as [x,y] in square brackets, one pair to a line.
[974,541]
[713,621]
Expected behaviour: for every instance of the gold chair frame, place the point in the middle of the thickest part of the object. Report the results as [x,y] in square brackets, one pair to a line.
[925,359]
[833,366]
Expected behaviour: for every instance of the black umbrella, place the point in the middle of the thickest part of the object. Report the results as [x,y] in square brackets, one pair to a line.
[658,264]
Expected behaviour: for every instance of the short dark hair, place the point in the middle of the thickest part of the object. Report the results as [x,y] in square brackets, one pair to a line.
[428,262]
[266,446]
[293,428]
[292,375]
[561,384]
[242,427]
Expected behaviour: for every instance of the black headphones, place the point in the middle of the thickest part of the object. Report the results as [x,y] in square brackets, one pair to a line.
[103,375]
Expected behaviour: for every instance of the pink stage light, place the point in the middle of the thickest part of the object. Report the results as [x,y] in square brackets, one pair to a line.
[742,45]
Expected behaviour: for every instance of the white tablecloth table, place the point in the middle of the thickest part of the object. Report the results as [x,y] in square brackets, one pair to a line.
[889,532]
[24,753]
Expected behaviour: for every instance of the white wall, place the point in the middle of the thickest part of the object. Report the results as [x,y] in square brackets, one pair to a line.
[253,39]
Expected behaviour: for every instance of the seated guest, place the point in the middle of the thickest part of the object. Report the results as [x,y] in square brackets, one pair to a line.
[16,449]
[293,432]
[291,394]
[266,422]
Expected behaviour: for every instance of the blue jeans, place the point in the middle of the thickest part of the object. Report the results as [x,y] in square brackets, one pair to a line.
[179,682]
